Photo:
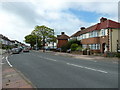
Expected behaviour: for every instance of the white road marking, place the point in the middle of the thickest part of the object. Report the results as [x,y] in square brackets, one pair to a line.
[2,63]
[50,59]
[115,62]
[87,68]
[8,62]
[3,57]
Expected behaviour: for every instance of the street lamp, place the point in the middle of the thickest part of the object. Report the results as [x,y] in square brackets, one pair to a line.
[53,38]
[36,40]
[36,43]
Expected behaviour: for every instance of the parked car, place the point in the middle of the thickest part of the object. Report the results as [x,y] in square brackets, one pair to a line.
[58,49]
[20,49]
[68,51]
[119,51]
[15,51]
[25,50]
[47,49]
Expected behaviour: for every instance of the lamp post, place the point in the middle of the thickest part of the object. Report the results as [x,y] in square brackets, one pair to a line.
[36,40]
[36,43]
[53,38]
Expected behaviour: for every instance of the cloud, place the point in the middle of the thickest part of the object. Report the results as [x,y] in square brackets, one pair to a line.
[19,18]
[13,26]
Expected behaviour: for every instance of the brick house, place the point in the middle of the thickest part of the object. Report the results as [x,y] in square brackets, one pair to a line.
[101,37]
[62,39]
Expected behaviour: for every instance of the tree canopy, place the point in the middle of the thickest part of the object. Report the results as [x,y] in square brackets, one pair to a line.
[46,34]
[31,39]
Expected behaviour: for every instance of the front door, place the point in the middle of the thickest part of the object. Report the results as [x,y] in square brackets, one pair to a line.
[103,47]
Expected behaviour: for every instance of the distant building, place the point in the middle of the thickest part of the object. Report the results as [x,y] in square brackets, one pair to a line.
[4,41]
[62,39]
[101,37]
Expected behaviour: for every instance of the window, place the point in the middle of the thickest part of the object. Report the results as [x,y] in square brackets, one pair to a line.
[91,34]
[94,46]
[90,46]
[78,38]
[87,35]
[103,32]
[84,46]
[95,33]
[84,36]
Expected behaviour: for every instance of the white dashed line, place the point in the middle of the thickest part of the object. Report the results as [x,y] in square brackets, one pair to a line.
[87,68]
[115,62]
[50,59]
[8,62]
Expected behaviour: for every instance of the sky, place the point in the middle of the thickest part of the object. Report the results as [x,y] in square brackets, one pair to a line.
[19,17]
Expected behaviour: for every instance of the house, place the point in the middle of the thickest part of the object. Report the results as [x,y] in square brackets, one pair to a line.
[4,40]
[101,37]
[62,39]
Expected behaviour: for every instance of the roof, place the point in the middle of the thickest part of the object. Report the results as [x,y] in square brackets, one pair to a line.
[63,36]
[76,34]
[98,26]
[109,24]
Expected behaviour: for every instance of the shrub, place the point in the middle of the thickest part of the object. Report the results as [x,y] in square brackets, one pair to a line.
[68,45]
[79,48]
[118,55]
[74,46]
[64,48]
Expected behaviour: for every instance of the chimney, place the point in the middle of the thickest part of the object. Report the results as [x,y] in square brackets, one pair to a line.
[82,28]
[62,33]
[103,19]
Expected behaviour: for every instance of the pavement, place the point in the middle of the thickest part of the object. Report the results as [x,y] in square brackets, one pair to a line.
[87,57]
[48,70]
[12,78]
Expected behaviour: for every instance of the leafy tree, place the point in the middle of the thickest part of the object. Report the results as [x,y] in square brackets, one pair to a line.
[45,33]
[31,39]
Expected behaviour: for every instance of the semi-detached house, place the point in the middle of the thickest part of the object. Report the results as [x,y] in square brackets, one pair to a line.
[101,37]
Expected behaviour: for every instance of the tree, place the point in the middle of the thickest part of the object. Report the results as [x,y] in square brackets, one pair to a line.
[45,33]
[31,39]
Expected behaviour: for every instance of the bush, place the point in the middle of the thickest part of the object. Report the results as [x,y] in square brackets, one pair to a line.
[64,48]
[118,55]
[110,54]
[79,48]
[74,46]
[68,45]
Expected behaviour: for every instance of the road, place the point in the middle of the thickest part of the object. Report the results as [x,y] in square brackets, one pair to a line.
[46,70]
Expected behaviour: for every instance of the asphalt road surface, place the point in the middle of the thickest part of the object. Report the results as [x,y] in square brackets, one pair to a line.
[46,70]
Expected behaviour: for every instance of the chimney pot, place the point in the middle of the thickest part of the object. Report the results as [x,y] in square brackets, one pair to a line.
[103,19]
[62,33]
[82,28]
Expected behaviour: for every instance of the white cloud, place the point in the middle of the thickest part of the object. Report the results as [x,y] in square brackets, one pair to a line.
[13,26]
[19,19]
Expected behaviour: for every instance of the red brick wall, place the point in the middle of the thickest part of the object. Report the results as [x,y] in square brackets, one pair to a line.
[93,40]
[61,43]
[96,40]
[103,39]
[95,51]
